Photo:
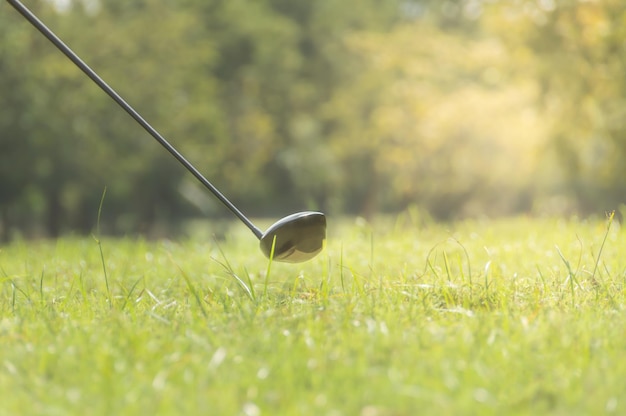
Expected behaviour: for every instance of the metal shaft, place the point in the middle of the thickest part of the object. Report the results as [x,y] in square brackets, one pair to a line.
[39,25]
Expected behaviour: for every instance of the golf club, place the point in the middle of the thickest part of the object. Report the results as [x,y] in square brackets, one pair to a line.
[295,238]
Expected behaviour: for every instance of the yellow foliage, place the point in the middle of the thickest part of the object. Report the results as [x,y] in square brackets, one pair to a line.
[442,112]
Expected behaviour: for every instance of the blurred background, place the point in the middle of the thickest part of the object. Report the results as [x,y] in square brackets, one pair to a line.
[453,109]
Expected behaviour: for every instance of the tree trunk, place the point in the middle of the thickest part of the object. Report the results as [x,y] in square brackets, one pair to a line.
[4,224]
[369,205]
[54,214]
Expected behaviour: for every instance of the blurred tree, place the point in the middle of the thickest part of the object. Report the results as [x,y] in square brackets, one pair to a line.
[279,62]
[79,140]
[581,49]
[440,120]
[156,57]
[14,156]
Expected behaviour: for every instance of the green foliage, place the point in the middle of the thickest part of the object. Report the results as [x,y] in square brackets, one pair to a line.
[234,84]
[462,108]
[402,315]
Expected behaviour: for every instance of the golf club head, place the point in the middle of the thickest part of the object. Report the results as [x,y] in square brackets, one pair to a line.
[299,237]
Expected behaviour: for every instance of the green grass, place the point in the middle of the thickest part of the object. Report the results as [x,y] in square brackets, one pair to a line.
[518,316]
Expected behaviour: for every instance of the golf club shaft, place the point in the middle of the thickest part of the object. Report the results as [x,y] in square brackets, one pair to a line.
[130,110]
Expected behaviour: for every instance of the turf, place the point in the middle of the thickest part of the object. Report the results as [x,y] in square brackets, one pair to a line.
[403,317]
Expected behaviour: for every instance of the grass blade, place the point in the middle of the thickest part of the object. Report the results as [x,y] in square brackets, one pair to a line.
[97,238]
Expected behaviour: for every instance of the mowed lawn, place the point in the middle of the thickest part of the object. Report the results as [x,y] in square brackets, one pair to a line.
[402,317]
